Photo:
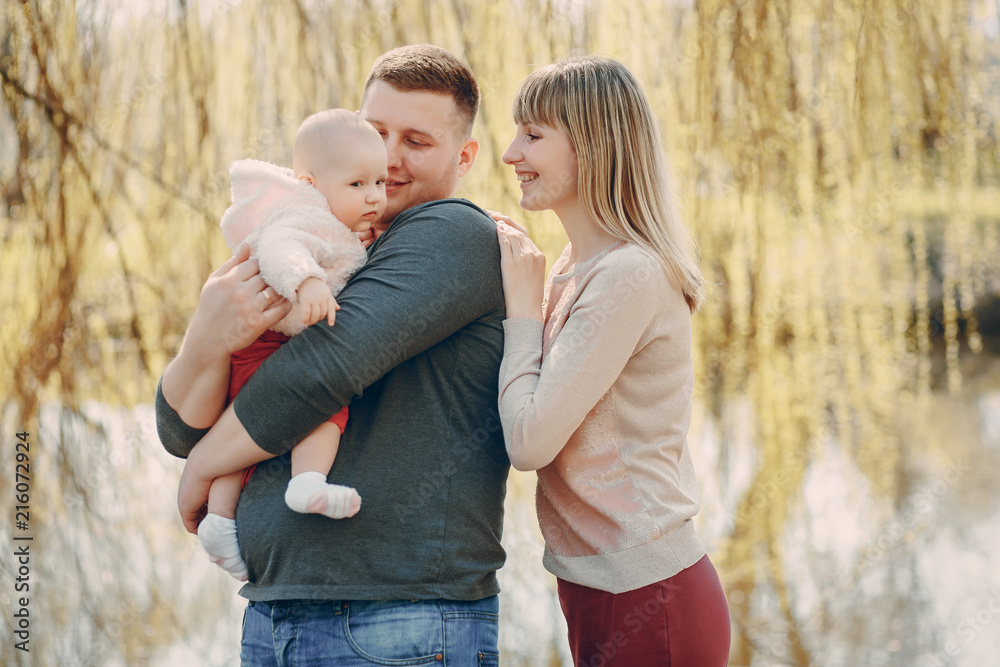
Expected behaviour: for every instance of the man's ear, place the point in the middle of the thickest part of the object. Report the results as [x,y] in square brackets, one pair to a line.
[470,149]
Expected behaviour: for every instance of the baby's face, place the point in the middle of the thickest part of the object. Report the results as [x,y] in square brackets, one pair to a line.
[353,181]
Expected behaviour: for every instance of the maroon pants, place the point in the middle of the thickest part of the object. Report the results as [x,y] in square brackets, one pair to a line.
[682,621]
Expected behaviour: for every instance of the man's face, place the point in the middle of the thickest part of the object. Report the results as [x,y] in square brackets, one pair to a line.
[424,142]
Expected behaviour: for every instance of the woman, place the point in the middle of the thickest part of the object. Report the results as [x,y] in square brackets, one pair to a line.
[596,381]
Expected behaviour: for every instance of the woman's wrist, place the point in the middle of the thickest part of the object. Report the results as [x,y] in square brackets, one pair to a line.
[524,306]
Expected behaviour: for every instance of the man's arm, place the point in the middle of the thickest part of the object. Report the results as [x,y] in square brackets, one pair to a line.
[427,279]
[230,315]
[431,274]
[225,448]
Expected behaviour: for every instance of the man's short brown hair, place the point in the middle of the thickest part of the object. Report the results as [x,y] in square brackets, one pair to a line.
[425,67]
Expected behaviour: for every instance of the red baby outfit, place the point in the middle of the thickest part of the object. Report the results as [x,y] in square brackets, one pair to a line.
[245,363]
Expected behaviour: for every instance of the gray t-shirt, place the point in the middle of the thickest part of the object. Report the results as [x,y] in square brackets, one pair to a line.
[416,353]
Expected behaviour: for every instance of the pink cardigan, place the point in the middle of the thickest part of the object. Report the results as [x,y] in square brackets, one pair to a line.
[289,227]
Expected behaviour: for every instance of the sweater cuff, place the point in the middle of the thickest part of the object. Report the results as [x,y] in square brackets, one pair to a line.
[176,436]
[522,334]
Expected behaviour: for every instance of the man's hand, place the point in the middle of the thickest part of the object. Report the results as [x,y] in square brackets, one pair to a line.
[226,448]
[317,302]
[192,496]
[235,308]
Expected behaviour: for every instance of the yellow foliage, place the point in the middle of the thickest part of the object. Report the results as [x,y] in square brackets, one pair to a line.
[837,162]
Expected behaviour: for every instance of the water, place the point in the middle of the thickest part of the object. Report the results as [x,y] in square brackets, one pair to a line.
[913,580]
[874,581]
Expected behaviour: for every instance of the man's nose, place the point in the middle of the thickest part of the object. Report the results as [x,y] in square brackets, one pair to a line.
[392,150]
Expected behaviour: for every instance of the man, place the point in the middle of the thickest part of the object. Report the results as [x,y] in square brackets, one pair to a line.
[415,351]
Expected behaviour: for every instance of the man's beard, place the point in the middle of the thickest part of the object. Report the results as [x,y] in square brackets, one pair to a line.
[393,209]
[387,217]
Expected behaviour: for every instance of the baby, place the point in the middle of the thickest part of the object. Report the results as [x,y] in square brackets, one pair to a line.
[302,226]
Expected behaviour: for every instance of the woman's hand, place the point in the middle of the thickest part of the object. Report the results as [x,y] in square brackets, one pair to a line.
[506,220]
[522,265]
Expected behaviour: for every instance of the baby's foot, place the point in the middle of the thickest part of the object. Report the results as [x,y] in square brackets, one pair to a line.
[308,493]
[217,535]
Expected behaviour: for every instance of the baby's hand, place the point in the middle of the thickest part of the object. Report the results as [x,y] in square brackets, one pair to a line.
[317,302]
[367,237]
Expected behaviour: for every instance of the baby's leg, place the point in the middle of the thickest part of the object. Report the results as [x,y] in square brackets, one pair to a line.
[217,531]
[224,494]
[308,492]
[317,450]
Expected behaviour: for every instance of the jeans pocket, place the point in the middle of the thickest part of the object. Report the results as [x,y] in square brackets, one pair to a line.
[395,633]
[472,630]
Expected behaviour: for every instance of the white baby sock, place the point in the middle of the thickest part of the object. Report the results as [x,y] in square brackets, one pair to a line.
[308,493]
[217,535]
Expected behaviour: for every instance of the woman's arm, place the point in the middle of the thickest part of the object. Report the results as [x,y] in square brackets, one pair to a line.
[543,403]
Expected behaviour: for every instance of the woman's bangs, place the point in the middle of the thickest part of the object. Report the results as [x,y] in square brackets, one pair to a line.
[541,99]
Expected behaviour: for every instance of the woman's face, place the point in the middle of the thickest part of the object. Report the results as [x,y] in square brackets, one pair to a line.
[546,166]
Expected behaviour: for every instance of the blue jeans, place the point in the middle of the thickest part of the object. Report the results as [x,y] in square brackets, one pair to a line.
[301,633]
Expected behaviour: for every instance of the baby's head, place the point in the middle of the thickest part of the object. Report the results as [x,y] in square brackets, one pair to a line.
[343,157]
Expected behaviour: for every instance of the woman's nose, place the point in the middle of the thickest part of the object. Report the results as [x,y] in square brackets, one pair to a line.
[511,155]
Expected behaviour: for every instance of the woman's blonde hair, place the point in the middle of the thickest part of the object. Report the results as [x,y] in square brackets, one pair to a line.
[624,181]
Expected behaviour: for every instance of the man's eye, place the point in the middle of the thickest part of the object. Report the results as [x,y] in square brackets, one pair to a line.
[414,142]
